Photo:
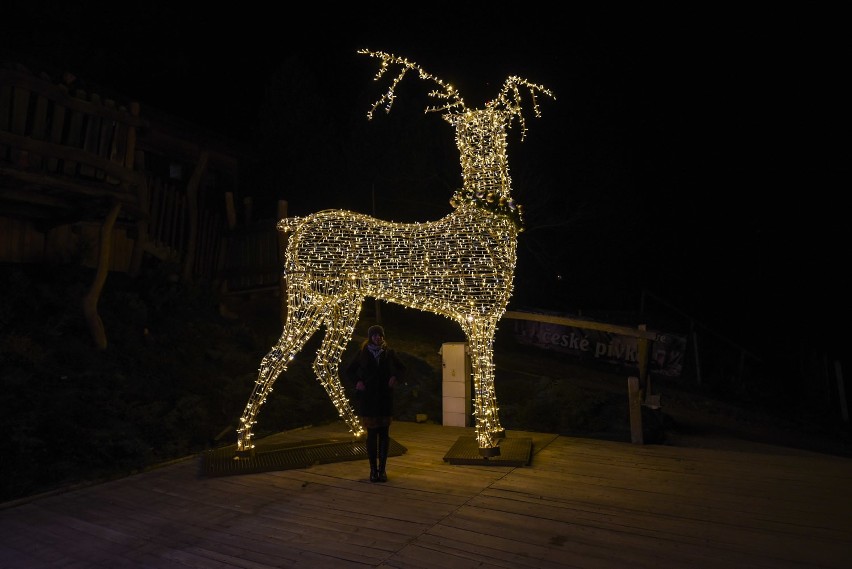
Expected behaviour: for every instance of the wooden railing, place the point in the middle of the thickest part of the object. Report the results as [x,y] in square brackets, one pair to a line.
[86,179]
[67,157]
[58,145]
[169,232]
[252,259]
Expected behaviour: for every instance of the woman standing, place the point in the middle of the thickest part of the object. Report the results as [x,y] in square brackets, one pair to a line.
[375,370]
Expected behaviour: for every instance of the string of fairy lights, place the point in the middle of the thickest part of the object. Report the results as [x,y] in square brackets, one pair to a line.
[461,266]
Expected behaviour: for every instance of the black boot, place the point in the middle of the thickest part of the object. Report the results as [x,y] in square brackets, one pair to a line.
[374,472]
[384,443]
[372,453]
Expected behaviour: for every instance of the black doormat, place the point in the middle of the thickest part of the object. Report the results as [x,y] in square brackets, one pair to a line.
[286,456]
[513,452]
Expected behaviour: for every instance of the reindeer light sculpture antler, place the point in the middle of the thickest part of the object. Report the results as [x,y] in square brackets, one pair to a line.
[461,266]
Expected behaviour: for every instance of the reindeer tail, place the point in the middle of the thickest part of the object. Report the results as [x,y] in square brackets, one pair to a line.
[288,224]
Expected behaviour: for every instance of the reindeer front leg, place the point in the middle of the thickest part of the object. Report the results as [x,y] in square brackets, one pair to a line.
[480,336]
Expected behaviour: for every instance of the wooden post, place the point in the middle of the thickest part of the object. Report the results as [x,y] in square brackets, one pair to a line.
[144,194]
[697,359]
[226,243]
[20,108]
[72,139]
[142,237]
[230,210]
[634,397]
[642,349]
[192,204]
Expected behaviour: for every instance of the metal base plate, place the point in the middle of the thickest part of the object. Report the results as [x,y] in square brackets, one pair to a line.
[286,456]
[513,452]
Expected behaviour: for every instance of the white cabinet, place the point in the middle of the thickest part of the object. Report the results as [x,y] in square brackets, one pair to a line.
[455,360]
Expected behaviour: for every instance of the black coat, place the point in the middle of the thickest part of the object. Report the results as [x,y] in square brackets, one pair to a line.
[377,399]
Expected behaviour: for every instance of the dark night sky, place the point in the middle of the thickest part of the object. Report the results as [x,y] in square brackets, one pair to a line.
[695,141]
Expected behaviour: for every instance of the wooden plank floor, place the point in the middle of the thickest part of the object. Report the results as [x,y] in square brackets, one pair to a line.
[579,503]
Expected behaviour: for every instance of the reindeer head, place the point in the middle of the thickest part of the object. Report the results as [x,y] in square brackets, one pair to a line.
[480,133]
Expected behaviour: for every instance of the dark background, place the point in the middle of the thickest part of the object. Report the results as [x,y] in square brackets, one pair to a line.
[688,152]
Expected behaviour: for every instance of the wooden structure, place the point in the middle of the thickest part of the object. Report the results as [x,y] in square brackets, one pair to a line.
[579,503]
[67,157]
[53,137]
[641,333]
[639,391]
[91,179]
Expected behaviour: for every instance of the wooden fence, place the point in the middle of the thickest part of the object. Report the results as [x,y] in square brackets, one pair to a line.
[24,241]
[79,146]
[251,260]
[67,157]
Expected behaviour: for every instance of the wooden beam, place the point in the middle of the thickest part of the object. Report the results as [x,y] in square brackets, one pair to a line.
[579,323]
[192,205]
[71,154]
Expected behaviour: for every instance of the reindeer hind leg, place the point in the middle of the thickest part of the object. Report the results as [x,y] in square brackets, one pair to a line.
[293,338]
[340,325]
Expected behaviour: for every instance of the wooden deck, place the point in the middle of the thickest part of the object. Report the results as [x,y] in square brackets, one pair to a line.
[579,503]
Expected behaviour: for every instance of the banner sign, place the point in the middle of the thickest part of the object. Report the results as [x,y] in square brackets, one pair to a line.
[666,353]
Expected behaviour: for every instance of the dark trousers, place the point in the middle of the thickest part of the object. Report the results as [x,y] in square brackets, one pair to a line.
[378,442]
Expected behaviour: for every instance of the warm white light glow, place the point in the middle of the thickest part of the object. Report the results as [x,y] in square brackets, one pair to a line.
[461,266]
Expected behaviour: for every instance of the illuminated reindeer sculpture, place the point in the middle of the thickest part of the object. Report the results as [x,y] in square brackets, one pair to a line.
[460,267]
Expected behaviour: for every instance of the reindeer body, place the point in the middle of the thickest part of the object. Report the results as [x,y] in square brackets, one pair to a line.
[462,285]
[461,266]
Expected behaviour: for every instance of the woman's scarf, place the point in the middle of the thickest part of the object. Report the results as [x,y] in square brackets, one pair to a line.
[375,350]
